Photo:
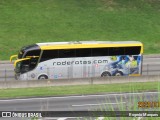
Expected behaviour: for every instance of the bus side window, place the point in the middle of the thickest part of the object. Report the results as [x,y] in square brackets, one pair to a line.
[84,52]
[116,51]
[65,53]
[49,54]
[99,51]
[133,50]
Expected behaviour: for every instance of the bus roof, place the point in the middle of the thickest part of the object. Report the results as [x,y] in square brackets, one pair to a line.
[87,44]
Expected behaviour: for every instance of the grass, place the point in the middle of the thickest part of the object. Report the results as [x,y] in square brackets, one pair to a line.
[77,90]
[26,22]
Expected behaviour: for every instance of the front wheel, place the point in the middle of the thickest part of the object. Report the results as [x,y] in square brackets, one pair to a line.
[105,74]
[43,77]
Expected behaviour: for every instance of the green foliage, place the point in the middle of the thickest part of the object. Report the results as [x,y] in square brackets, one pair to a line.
[74,90]
[26,22]
[34,118]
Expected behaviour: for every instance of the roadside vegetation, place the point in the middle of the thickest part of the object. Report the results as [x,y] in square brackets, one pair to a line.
[26,22]
[78,90]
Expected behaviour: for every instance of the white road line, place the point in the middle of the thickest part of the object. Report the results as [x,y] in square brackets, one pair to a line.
[114,94]
[61,118]
[100,118]
[53,118]
[65,118]
[139,118]
[96,104]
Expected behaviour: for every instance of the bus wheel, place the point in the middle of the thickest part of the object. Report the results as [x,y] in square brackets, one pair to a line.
[118,73]
[43,77]
[105,74]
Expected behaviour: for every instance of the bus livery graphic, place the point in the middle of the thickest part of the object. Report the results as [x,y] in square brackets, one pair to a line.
[79,62]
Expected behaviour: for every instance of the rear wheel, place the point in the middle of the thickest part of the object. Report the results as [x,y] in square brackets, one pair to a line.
[105,74]
[43,77]
[118,73]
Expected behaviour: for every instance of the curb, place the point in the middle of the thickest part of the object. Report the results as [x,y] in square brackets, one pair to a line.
[6,62]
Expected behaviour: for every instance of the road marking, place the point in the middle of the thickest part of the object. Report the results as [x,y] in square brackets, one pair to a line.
[65,118]
[61,118]
[100,118]
[114,94]
[53,118]
[97,104]
[139,118]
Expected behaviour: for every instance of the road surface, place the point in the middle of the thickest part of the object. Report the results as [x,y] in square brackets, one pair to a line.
[101,102]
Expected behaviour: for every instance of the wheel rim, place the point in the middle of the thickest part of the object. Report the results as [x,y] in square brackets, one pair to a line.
[105,74]
[42,78]
[118,74]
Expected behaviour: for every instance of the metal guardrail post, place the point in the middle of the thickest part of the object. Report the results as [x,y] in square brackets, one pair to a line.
[5,74]
[48,72]
[147,69]
[5,82]
[91,81]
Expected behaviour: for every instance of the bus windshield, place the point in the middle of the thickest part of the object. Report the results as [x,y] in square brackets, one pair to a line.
[18,66]
[22,65]
[26,64]
[20,54]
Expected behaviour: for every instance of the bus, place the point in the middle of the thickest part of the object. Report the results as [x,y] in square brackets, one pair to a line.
[78,59]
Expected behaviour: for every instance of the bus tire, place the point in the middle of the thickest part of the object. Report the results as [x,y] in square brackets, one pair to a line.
[105,74]
[42,77]
[119,73]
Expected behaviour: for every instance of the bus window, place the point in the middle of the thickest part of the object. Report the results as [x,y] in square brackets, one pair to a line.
[49,54]
[33,53]
[24,66]
[99,51]
[86,52]
[116,51]
[66,53]
[133,50]
[33,63]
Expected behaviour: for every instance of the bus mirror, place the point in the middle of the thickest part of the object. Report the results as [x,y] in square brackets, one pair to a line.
[13,57]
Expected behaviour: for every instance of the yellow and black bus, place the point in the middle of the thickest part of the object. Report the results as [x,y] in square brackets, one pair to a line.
[79,59]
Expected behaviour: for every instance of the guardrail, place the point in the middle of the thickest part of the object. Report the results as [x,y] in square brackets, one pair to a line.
[151,69]
[87,81]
